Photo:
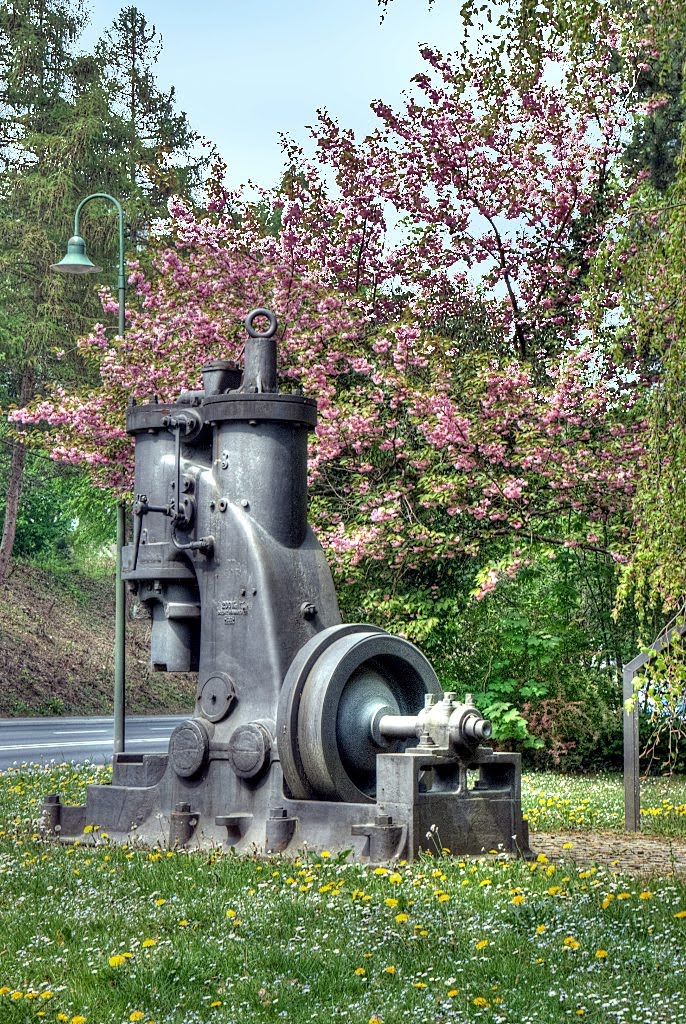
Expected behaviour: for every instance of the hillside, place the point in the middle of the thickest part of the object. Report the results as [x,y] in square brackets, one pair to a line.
[56,651]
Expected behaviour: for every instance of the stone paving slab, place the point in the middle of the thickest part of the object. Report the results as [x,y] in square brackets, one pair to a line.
[623,852]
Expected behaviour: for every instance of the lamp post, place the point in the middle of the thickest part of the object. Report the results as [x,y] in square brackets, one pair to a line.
[77,262]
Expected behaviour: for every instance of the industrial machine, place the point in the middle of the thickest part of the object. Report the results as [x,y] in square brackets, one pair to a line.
[307,732]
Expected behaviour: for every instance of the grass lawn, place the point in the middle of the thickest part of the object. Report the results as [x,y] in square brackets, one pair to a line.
[110,934]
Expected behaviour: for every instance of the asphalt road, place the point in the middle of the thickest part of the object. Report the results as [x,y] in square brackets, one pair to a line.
[41,740]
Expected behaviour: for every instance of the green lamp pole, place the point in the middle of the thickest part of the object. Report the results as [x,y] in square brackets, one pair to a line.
[77,262]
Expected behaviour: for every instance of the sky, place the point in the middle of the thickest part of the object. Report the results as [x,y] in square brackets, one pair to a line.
[245,70]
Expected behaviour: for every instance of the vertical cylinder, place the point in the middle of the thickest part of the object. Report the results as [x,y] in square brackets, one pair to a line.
[266,473]
[119,636]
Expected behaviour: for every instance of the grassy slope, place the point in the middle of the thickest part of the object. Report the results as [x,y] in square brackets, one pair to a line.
[56,650]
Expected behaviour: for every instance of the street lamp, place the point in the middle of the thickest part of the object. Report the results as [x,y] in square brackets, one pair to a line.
[77,262]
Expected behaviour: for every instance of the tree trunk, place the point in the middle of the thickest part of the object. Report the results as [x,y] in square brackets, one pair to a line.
[15,482]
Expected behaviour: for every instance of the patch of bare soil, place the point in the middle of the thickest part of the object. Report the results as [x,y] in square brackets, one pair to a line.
[624,852]
[57,651]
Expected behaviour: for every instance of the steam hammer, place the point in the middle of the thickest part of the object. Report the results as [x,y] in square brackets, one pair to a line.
[306,731]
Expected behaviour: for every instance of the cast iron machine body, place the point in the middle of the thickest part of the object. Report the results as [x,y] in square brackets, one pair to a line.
[306,731]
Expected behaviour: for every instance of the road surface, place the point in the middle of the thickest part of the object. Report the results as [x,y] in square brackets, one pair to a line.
[41,740]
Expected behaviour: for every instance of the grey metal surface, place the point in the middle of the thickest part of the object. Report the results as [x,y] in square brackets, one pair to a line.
[284,748]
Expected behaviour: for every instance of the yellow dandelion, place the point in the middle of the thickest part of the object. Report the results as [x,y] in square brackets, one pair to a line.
[325,854]
[391,902]
[444,897]
[680,913]
[389,970]
[571,943]
[481,944]
[623,895]
[517,900]
[17,995]
[360,972]
[542,859]
[395,878]
[480,1001]
[136,1015]
[401,918]
[215,1003]
[419,984]
[78,1019]
[4,990]
[380,871]
[183,922]
[567,846]
[601,954]
[160,902]
[117,960]
[645,895]
[452,992]
[62,1017]
[580,1012]
[540,928]
[48,994]
[231,913]
[148,943]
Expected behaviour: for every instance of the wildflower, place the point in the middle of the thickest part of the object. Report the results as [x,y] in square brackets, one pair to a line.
[215,1003]
[567,846]
[645,895]
[580,1012]
[601,954]
[481,944]
[183,922]
[680,913]
[117,960]
[571,943]
[160,902]
[443,897]
[4,990]
[48,994]
[17,995]
[395,878]
[401,918]
[136,1015]
[360,972]
[419,984]
[78,1019]
[480,1001]
[453,992]
[542,859]
[231,913]
[389,970]
[325,854]
[148,943]
[540,928]
[375,1019]
[390,902]
[380,871]
[62,1016]
[517,900]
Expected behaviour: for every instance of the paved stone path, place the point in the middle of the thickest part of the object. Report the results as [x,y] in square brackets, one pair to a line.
[632,853]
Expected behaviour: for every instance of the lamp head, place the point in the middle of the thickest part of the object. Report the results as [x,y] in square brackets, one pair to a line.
[76,261]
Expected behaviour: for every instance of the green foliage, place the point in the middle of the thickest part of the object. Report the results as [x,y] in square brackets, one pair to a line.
[661,697]
[540,651]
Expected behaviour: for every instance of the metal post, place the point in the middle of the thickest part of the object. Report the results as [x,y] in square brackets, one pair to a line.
[632,782]
[119,636]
